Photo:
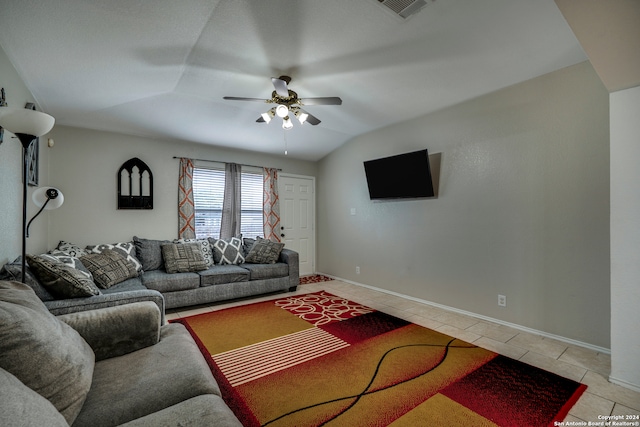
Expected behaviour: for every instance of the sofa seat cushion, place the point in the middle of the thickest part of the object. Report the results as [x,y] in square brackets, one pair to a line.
[162,281]
[141,383]
[44,353]
[226,273]
[204,410]
[266,271]
[133,284]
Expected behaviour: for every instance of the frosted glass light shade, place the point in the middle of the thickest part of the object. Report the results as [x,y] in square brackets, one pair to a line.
[287,123]
[25,121]
[282,111]
[55,196]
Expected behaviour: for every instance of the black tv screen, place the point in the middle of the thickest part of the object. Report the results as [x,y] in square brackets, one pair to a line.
[405,176]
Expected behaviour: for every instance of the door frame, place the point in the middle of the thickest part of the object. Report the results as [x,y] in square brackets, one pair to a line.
[313,211]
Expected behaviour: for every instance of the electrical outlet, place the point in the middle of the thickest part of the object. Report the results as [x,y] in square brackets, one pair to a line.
[502,300]
[357,270]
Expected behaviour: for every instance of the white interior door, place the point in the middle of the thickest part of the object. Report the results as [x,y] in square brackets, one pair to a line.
[297,217]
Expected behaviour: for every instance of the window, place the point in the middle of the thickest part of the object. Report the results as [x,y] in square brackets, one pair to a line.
[208,193]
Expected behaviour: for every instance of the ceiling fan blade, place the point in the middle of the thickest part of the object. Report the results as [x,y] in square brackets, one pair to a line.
[331,100]
[311,119]
[237,98]
[261,120]
[281,86]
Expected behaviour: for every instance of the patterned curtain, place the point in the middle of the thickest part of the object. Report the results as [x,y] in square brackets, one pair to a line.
[231,207]
[186,211]
[271,205]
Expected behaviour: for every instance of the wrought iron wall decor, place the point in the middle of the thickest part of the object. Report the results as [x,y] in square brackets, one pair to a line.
[135,185]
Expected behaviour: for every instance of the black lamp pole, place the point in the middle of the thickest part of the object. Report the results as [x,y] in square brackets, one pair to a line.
[26,141]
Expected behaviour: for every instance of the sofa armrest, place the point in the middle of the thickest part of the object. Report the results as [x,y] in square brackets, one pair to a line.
[74,305]
[118,330]
[292,260]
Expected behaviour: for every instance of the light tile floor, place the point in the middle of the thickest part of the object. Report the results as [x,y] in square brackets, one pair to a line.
[577,363]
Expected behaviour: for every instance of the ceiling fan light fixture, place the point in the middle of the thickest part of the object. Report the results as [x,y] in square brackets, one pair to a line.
[282,111]
[287,123]
[269,115]
[301,116]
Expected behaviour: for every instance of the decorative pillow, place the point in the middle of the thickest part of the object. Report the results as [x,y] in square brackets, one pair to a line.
[183,257]
[44,353]
[149,252]
[63,280]
[246,245]
[109,268]
[13,271]
[71,261]
[126,249]
[228,251]
[205,248]
[264,251]
[71,249]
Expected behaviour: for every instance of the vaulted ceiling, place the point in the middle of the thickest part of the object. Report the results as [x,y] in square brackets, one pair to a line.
[160,68]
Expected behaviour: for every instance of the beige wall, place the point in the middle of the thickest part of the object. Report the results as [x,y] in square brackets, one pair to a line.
[11,176]
[523,208]
[84,165]
[625,238]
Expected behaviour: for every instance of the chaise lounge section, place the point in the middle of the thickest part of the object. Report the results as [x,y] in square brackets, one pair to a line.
[113,366]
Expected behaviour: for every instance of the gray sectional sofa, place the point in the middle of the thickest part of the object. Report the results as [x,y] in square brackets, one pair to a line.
[153,282]
[114,366]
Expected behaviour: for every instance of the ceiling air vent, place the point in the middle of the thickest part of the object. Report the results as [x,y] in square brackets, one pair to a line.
[404,8]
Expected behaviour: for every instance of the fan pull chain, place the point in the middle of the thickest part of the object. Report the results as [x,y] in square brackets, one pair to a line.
[284,137]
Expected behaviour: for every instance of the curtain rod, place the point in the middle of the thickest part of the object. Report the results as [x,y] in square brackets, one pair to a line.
[218,161]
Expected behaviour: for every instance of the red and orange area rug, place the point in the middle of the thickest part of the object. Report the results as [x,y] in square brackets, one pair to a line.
[321,360]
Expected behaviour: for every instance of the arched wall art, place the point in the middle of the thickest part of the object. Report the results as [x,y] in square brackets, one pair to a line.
[135,185]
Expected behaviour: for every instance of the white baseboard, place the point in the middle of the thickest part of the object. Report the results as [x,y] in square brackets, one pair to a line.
[490,319]
[623,383]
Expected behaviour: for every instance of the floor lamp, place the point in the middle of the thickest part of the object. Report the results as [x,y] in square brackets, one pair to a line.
[26,125]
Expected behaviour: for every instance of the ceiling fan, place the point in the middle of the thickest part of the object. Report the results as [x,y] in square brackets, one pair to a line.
[287,102]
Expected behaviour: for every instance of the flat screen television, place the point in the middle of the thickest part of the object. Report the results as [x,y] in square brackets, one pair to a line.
[404,176]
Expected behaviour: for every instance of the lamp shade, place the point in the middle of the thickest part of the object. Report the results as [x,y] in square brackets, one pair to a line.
[41,195]
[25,121]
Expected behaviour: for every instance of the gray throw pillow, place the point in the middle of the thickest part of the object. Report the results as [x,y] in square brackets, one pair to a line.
[149,252]
[126,249]
[44,353]
[71,261]
[109,268]
[228,251]
[70,249]
[264,251]
[183,257]
[205,248]
[61,279]
[13,271]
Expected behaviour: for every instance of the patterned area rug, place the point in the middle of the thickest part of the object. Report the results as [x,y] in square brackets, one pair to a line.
[321,360]
[314,278]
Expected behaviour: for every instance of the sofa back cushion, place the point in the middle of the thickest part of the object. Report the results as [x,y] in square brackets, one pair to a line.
[45,354]
[149,252]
